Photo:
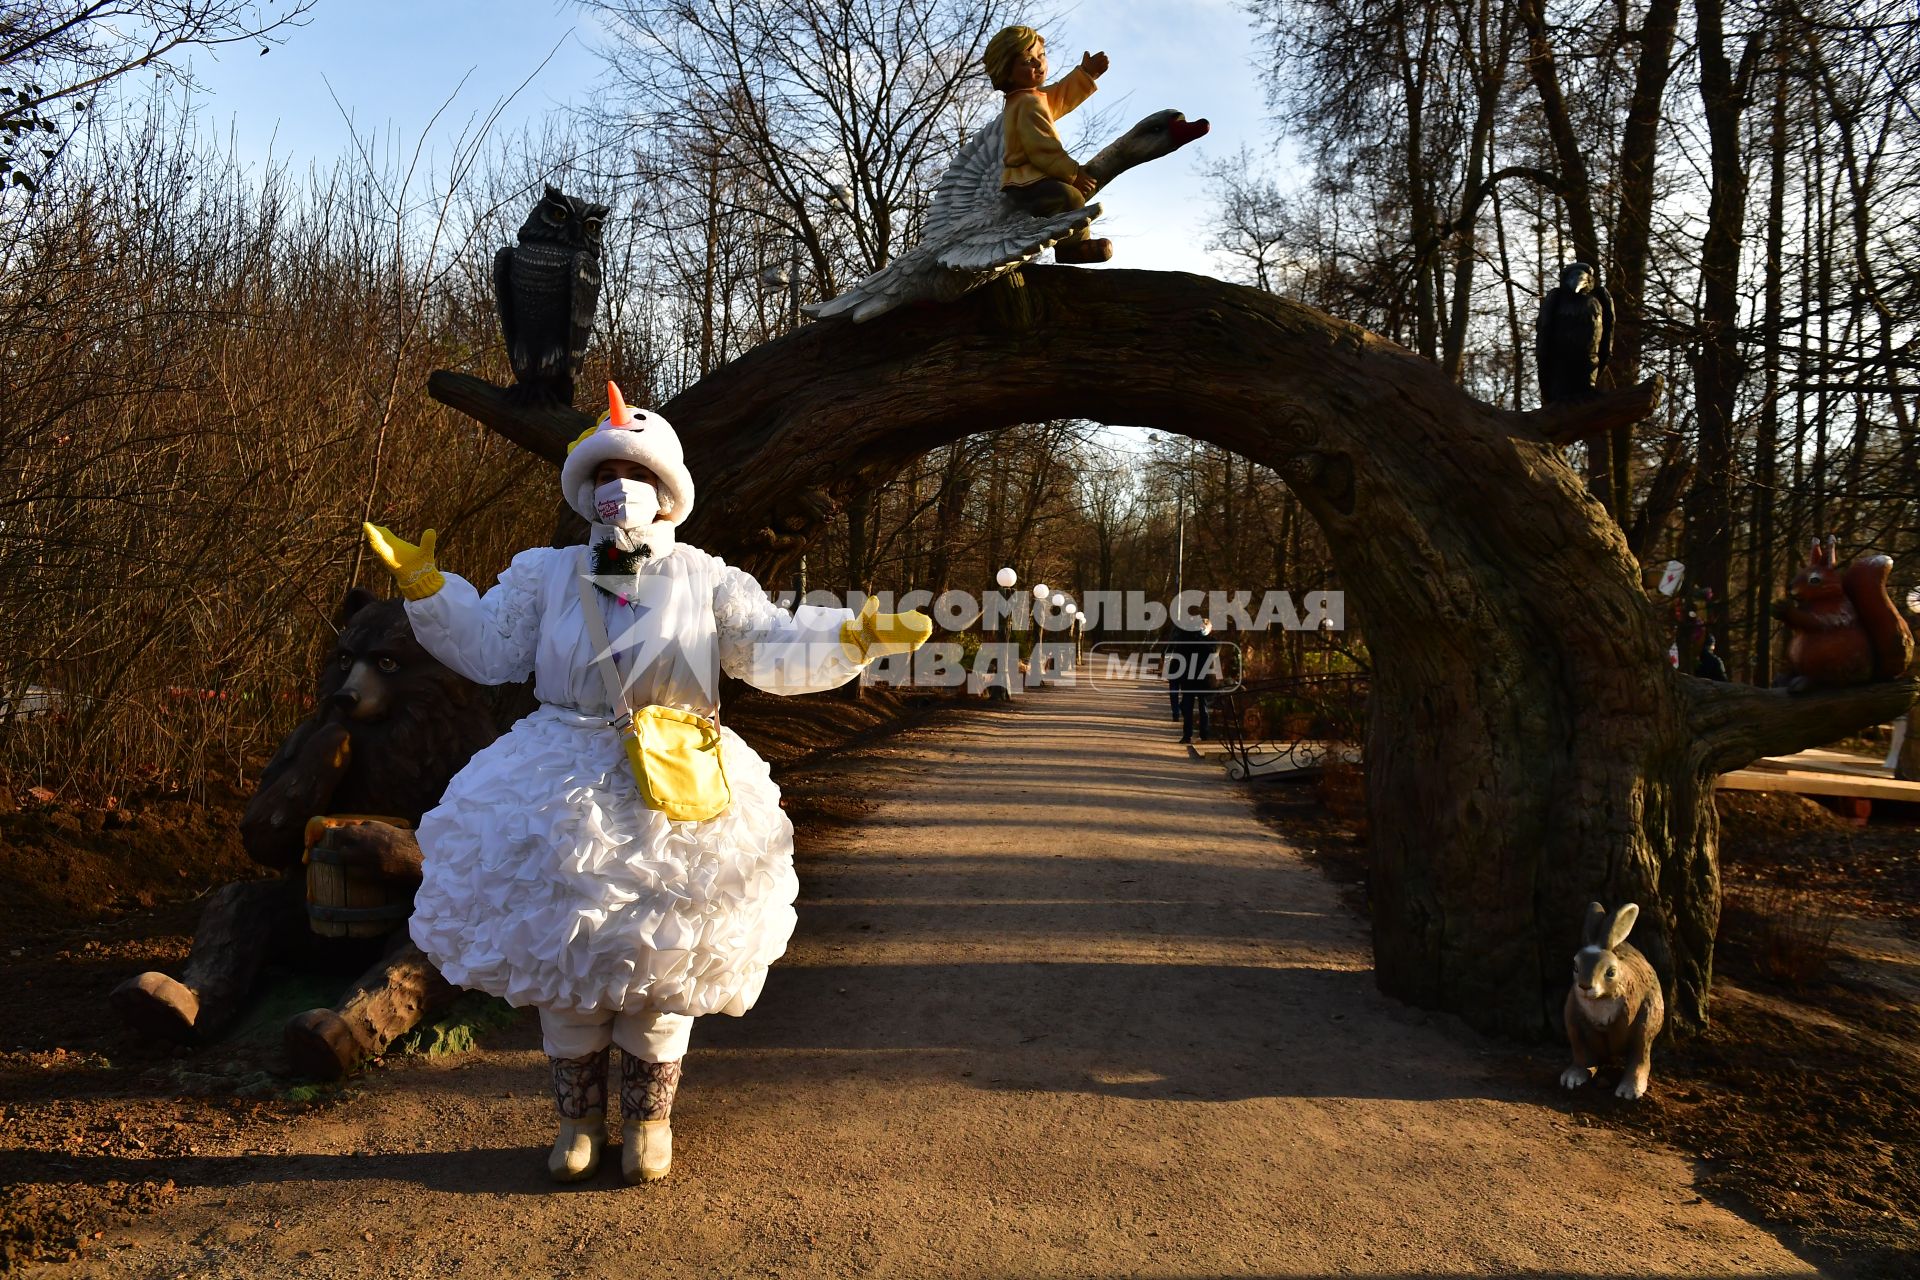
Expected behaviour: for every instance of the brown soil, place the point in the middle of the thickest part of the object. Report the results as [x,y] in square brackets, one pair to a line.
[1058,1005]
[62,865]
[1797,1101]
[91,895]
[1771,842]
[1031,1025]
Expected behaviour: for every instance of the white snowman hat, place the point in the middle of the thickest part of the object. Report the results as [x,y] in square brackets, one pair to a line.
[638,436]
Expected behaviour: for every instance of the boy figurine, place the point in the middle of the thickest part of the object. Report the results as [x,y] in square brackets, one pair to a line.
[1040,178]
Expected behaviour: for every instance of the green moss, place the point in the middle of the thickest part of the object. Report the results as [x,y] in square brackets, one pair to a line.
[459,1029]
[284,995]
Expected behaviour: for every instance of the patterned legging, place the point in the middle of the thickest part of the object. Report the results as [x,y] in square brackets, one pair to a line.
[646,1088]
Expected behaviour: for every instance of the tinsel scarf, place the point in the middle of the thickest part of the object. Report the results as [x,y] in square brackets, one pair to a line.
[618,554]
[611,562]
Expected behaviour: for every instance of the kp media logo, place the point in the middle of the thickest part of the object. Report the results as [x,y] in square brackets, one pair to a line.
[1213,665]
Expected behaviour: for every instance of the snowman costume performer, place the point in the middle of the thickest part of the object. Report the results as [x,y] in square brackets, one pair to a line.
[547,880]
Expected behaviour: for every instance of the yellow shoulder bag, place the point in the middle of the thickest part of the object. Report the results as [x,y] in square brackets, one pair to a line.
[675,754]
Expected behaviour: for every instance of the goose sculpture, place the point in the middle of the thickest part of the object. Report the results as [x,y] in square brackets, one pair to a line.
[974,233]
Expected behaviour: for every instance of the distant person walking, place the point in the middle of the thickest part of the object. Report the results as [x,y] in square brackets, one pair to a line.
[1710,667]
[1169,645]
[1198,670]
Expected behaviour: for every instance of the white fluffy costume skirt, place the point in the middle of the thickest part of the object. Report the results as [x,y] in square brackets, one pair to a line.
[548,883]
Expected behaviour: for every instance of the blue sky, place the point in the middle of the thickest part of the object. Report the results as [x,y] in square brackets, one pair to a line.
[393,64]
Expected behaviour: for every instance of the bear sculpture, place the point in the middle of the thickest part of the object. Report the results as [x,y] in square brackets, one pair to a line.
[391,726]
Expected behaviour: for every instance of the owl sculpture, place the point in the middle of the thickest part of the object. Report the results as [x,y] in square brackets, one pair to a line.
[547,287]
[1574,338]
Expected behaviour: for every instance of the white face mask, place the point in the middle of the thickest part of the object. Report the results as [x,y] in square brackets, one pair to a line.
[626,504]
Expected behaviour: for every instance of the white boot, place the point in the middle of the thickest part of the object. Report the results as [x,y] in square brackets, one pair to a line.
[646,1151]
[580,1087]
[576,1152]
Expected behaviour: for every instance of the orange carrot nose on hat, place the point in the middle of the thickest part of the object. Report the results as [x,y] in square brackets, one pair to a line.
[618,415]
[637,435]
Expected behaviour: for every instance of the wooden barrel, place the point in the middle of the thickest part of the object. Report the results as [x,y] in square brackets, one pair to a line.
[347,902]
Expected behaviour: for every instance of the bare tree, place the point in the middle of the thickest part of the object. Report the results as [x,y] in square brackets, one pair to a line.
[1252,227]
[1603,156]
[834,115]
[55,55]
[1724,89]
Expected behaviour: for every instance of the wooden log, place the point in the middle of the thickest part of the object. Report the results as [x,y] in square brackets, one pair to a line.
[389,1000]
[542,427]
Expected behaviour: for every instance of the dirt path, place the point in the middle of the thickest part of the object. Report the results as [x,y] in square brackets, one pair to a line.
[1061,1007]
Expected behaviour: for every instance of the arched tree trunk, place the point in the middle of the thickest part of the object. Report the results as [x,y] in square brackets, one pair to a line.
[1529,748]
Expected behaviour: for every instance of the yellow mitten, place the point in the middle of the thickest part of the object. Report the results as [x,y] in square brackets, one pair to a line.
[412,566]
[875,634]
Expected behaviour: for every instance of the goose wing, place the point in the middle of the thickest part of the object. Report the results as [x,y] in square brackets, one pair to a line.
[972,227]
[970,188]
[911,277]
[967,194]
[992,244]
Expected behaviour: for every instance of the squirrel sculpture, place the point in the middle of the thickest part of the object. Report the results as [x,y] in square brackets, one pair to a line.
[1845,627]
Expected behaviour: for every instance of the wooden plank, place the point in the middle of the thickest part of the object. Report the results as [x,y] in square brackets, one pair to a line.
[1807,782]
[1829,754]
[1821,761]
[1798,770]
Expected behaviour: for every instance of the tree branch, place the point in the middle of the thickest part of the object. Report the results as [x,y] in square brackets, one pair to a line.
[1470,207]
[542,429]
[1569,421]
[1734,724]
[1663,496]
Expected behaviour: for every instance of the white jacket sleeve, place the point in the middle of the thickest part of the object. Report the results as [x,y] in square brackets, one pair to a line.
[489,638]
[771,649]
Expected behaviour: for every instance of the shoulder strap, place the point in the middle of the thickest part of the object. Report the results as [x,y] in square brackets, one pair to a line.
[596,621]
[602,648]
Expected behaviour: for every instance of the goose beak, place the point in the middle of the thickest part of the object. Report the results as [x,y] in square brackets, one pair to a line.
[1185,131]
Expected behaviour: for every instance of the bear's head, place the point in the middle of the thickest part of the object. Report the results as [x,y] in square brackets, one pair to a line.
[413,721]
[410,722]
[373,652]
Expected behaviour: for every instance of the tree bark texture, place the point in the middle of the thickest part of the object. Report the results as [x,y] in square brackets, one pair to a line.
[235,937]
[391,998]
[1529,749]
[1766,445]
